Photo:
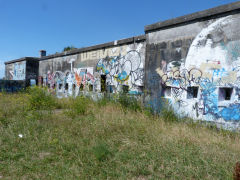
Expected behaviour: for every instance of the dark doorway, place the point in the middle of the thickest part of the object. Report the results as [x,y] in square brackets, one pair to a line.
[103,83]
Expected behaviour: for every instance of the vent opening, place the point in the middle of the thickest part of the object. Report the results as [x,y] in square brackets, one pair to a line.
[225,94]
[192,92]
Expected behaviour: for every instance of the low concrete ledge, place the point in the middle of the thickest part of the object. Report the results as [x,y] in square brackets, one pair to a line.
[192,17]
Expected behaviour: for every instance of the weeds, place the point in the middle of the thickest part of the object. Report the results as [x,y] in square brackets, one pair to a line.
[40,99]
[169,115]
[129,102]
[101,151]
[106,143]
[79,106]
[103,102]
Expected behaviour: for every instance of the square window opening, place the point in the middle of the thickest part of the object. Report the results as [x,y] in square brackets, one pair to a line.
[125,88]
[225,94]
[167,91]
[192,92]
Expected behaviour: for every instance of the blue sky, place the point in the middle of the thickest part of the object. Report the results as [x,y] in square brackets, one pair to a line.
[26,26]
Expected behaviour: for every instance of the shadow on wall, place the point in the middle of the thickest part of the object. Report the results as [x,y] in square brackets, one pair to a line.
[11,86]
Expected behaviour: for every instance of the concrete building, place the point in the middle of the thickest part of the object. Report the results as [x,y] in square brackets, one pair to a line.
[23,69]
[191,63]
[108,67]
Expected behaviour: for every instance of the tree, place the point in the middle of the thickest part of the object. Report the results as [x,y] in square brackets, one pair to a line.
[69,48]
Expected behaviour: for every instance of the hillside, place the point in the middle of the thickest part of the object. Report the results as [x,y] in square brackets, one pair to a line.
[45,138]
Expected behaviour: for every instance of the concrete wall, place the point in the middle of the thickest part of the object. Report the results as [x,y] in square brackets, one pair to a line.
[16,71]
[117,64]
[195,66]
[191,63]
[24,69]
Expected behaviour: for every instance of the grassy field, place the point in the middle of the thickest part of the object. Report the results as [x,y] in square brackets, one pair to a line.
[45,138]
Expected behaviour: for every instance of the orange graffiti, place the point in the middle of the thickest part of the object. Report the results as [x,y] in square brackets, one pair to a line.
[78,79]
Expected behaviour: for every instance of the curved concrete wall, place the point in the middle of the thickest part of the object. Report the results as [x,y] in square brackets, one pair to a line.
[195,67]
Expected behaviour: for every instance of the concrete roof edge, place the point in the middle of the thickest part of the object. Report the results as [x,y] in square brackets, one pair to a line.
[96,47]
[191,17]
[21,59]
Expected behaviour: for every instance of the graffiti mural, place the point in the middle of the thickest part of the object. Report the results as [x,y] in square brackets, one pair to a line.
[19,71]
[205,84]
[16,71]
[124,70]
[110,73]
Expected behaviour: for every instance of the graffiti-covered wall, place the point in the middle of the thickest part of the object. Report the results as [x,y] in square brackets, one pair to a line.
[106,69]
[191,63]
[24,69]
[16,71]
[195,67]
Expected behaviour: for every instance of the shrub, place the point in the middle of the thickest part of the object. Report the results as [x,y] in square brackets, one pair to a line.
[169,115]
[79,106]
[103,102]
[40,99]
[129,102]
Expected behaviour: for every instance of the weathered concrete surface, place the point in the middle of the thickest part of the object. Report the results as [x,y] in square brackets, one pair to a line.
[106,67]
[194,66]
[16,71]
[191,62]
[223,10]
[24,69]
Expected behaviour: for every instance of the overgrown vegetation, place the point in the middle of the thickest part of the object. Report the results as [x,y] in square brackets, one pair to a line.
[68,48]
[42,137]
[78,106]
[40,99]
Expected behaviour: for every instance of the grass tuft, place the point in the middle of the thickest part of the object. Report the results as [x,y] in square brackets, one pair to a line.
[101,151]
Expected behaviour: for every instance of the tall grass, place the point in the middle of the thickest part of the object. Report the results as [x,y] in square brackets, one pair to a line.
[106,141]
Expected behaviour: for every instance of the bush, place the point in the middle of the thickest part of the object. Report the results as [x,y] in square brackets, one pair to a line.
[79,106]
[169,115]
[40,99]
[103,102]
[129,102]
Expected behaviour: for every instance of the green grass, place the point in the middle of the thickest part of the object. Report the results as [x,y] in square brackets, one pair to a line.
[73,140]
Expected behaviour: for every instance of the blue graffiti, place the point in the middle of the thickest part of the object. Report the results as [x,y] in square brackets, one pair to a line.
[233,50]
[209,96]
[210,100]
[231,113]
[122,76]
[135,93]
